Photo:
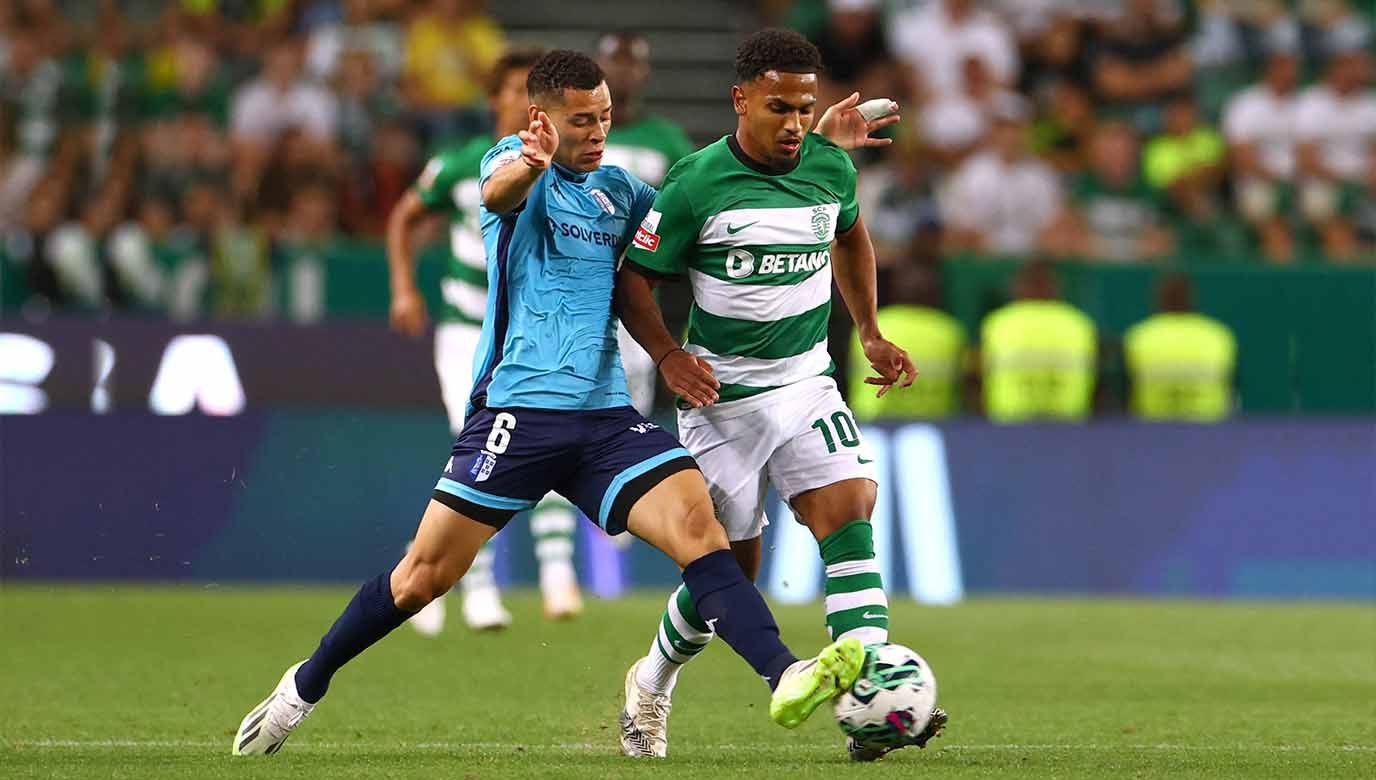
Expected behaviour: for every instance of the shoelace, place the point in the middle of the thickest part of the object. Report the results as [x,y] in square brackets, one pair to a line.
[290,714]
[654,712]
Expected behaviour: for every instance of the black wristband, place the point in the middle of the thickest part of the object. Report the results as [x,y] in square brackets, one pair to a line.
[666,355]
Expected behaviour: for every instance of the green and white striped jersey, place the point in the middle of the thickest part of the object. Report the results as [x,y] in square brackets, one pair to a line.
[756,245]
[449,185]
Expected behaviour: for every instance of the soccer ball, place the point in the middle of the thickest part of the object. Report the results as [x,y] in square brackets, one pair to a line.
[892,699]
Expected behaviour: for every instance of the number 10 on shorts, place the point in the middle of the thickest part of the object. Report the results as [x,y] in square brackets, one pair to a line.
[839,428]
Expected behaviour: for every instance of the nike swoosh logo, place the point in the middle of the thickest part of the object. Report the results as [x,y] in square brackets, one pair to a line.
[866,615]
[863,460]
[732,230]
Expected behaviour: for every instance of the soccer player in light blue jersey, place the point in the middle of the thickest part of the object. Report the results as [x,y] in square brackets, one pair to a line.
[550,411]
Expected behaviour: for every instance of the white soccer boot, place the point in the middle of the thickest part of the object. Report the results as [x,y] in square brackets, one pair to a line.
[483,610]
[429,621]
[268,725]
[644,720]
[562,601]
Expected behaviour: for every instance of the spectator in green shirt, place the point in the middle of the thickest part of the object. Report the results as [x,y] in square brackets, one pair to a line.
[1113,213]
[1186,165]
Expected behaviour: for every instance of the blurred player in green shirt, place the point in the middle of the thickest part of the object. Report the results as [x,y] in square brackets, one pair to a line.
[449,186]
[647,146]
[642,143]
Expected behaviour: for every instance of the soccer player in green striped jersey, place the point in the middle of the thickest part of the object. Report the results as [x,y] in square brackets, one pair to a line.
[449,186]
[755,221]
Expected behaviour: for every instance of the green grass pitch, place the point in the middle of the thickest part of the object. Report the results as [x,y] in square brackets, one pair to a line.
[141,682]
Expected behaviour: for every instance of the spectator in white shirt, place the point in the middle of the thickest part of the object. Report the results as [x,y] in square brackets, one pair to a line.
[1259,125]
[277,101]
[935,39]
[1335,122]
[953,125]
[1001,200]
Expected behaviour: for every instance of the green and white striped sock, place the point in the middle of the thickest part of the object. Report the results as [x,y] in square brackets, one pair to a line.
[856,604]
[681,636]
[552,524]
[479,575]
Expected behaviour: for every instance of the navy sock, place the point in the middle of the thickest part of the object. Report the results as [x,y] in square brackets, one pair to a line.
[369,617]
[734,608]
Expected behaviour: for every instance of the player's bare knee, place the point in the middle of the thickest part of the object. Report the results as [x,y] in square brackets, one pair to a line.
[698,528]
[415,584]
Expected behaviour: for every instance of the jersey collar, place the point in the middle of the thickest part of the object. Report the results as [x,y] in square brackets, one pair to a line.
[569,173]
[756,165]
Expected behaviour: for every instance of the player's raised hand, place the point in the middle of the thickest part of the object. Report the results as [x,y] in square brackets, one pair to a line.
[850,124]
[690,378]
[891,363]
[539,141]
[408,315]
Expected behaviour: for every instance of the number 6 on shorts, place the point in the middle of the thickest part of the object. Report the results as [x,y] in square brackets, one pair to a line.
[500,438]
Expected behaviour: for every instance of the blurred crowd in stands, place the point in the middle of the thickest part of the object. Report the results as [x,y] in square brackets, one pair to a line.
[138,135]
[135,133]
[1120,131]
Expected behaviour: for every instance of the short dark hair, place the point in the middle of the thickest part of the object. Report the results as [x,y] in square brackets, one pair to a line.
[785,51]
[514,59]
[563,69]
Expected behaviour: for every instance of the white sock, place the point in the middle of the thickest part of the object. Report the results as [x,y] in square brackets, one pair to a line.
[681,636]
[552,524]
[479,575]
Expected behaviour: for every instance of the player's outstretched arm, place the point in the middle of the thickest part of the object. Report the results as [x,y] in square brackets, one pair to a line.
[686,375]
[506,189]
[408,306]
[850,124]
[853,266]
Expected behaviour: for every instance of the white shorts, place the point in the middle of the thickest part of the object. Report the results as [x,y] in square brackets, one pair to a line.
[455,345]
[797,438]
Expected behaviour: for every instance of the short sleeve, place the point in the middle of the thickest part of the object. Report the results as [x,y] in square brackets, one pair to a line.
[642,200]
[437,180]
[850,207]
[666,236]
[507,151]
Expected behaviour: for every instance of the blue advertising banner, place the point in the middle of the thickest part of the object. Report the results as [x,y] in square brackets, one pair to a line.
[1257,508]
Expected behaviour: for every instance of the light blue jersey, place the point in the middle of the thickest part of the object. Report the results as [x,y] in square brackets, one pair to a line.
[549,336]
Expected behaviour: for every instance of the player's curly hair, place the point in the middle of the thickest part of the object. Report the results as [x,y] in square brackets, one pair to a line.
[514,59]
[785,51]
[562,69]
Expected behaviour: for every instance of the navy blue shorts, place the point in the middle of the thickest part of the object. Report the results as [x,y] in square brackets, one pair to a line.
[602,460]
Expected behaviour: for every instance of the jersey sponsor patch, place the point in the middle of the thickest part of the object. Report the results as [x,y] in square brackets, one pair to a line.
[646,240]
[647,235]
[651,221]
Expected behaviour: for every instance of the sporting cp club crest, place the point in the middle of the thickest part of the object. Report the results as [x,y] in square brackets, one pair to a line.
[821,223]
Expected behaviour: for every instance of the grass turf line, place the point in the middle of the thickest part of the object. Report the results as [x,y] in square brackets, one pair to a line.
[138,682]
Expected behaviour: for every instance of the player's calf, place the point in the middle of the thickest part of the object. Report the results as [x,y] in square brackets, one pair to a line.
[838,516]
[856,604]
